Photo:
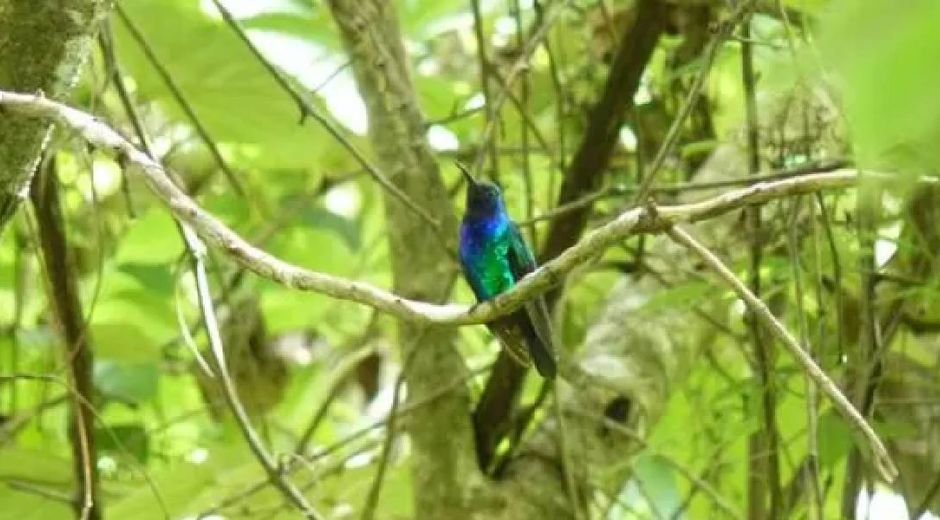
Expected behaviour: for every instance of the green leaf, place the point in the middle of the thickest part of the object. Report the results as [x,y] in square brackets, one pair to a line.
[124,440]
[37,466]
[132,383]
[345,228]
[658,482]
[885,61]
[123,341]
[152,278]
[310,22]
[151,239]
[835,439]
[24,505]
[177,486]
[37,469]
[237,100]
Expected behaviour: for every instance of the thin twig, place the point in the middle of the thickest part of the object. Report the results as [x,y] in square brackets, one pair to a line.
[631,222]
[552,13]
[527,122]
[882,459]
[372,499]
[16,422]
[492,112]
[516,13]
[672,136]
[143,138]
[228,386]
[931,493]
[291,464]
[177,93]
[763,445]
[48,494]
[307,109]
[697,483]
[619,190]
[567,464]
[341,373]
[20,266]
[561,112]
[197,252]
[836,271]
[815,501]
[50,378]
[865,364]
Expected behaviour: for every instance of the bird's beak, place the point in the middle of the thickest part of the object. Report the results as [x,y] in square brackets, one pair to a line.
[466,173]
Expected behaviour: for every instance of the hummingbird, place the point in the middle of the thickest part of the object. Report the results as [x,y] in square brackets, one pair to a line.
[494,257]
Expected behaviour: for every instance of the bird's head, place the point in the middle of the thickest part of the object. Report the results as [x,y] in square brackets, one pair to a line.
[483,198]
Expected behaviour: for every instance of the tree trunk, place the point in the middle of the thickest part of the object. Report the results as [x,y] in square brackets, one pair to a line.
[43,43]
[444,465]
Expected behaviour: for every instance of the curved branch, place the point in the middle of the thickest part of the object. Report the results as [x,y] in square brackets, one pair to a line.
[630,222]
[882,459]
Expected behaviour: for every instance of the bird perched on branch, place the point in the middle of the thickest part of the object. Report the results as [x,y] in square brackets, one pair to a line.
[495,256]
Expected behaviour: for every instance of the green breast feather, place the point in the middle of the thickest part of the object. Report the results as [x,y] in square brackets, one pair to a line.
[493,267]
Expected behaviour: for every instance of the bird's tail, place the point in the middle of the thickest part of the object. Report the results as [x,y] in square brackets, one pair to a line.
[540,347]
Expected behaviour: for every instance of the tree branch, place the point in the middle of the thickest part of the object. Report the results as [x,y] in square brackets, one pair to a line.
[764,494]
[78,356]
[882,459]
[181,100]
[443,466]
[672,136]
[198,254]
[631,222]
[307,108]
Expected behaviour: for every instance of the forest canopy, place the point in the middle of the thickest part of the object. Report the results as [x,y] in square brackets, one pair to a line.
[233,285]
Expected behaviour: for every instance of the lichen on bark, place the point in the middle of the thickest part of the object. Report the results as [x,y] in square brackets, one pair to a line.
[43,44]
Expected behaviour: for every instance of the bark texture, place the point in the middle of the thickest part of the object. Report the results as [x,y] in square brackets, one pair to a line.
[43,43]
[444,466]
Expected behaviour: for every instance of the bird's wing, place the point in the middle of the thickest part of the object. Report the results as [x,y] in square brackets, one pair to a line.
[521,263]
[521,259]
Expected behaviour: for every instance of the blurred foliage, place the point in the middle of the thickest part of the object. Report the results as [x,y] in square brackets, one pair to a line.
[845,79]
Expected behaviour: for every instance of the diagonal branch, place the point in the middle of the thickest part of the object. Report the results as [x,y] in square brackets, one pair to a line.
[181,100]
[307,108]
[882,459]
[672,136]
[275,476]
[197,252]
[631,222]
